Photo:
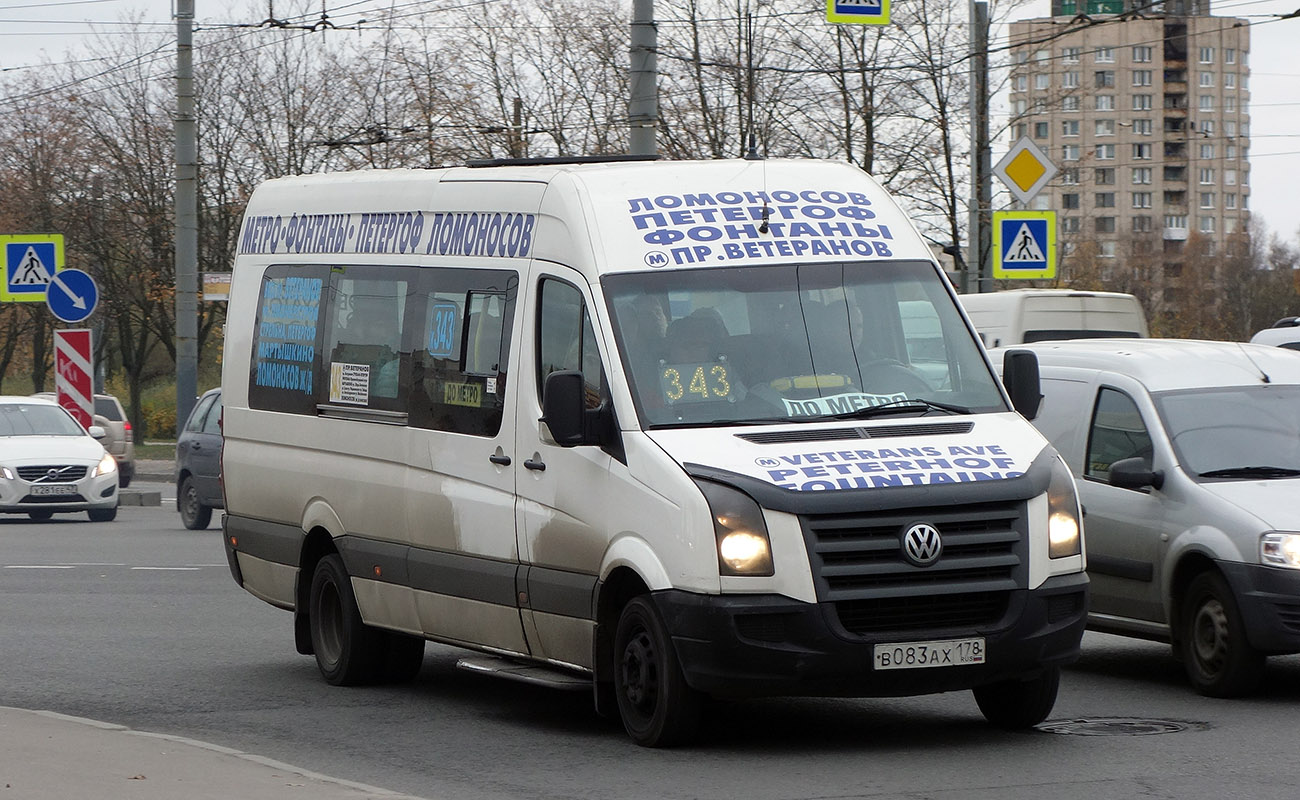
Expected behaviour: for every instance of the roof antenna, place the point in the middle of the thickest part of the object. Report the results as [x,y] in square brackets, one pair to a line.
[1262,373]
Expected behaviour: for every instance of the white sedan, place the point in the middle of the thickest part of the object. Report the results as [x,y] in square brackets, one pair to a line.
[49,464]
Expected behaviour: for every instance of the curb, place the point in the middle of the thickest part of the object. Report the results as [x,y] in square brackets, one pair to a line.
[350,789]
[138,497]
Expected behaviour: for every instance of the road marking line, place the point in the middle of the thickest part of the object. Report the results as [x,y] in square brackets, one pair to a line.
[169,569]
[39,566]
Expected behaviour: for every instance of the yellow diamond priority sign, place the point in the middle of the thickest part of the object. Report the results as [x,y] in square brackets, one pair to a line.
[1025,170]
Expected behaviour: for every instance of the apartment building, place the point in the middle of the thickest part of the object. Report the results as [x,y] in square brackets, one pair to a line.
[1145,114]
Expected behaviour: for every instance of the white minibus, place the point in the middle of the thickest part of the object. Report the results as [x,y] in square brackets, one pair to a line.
[653,429]
[1016,316]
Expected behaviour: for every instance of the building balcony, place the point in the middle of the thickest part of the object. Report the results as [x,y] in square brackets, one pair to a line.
[1175,234]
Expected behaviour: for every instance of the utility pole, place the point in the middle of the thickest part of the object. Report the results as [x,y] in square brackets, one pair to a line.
[187,229]
[979,235]
[643,107]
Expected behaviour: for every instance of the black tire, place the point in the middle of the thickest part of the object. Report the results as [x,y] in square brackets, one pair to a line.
[1017,704]
[348,652]
[40,516]
[102,514]
[657,706]
[1216,654]
[194,514]
[123,479]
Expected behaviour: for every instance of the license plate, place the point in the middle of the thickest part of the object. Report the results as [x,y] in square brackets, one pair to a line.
[944,653]
[54,488]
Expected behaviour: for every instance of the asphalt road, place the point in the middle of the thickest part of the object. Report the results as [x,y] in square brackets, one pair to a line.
[137,622]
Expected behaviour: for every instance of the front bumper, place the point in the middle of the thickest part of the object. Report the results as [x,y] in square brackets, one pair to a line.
[754,645]
[1270,604]
[18,496]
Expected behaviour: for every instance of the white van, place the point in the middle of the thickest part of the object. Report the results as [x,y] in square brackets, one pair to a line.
[1015,316]
[1188,460]
[647,428]
[1284,333]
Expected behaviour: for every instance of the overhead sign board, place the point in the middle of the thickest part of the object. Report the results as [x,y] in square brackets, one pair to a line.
[863,12]
[1025,169]
[1024,245]
[72,295]
[30,262]
[72,374]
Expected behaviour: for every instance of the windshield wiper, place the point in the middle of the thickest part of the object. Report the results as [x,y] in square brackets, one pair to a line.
[900,407]
[1252,472]
[726,423]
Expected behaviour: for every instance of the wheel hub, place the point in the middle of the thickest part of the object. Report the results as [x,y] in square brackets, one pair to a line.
[1210,634]
[639,683]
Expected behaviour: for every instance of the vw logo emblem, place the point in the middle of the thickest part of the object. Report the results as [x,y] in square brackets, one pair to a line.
[922,544]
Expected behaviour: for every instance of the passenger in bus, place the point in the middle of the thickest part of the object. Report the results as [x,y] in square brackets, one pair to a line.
[372,338]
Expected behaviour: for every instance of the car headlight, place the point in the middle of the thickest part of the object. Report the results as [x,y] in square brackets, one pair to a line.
[106,465]
[743,546]
[6,473]
[1064,533]
[1280,549]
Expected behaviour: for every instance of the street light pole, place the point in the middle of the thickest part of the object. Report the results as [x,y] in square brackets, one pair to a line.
[979,234]
[187,233]
[643,106]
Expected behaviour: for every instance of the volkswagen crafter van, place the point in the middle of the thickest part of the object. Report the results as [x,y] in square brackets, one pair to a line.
[1188,460]
[649,428]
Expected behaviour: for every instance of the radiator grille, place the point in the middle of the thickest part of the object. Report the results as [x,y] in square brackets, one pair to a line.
[859,566]
[65,473]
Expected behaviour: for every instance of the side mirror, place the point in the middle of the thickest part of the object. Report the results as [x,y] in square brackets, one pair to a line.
[563,404]
[1020,376]
[97,431]
[1135,473]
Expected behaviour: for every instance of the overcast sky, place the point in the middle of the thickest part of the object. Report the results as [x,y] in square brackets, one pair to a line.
[31,29]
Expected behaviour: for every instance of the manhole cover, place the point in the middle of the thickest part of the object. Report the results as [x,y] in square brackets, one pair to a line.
[1120,726]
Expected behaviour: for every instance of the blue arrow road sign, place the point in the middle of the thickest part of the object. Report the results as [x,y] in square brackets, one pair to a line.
[72,295]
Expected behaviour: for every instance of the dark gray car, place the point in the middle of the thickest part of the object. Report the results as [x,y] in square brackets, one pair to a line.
[198,463]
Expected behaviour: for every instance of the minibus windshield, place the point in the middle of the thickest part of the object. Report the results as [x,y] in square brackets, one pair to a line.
[795,342]
[1243,432]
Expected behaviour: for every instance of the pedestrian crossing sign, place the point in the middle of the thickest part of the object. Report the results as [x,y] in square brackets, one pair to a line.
[30,262]
[863,12]
[1024,245]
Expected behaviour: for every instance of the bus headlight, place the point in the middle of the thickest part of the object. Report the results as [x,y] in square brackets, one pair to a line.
[743,546]
[1280,549]
[1064,533]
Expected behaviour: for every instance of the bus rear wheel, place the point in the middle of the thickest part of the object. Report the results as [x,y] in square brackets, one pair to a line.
[346,648]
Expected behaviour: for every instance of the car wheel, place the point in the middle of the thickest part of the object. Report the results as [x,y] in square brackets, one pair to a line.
[1016,704]
[40,516]
[348,652]
[123,479]
[102,514]
[658,708]
[194,514]
[1216,654]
